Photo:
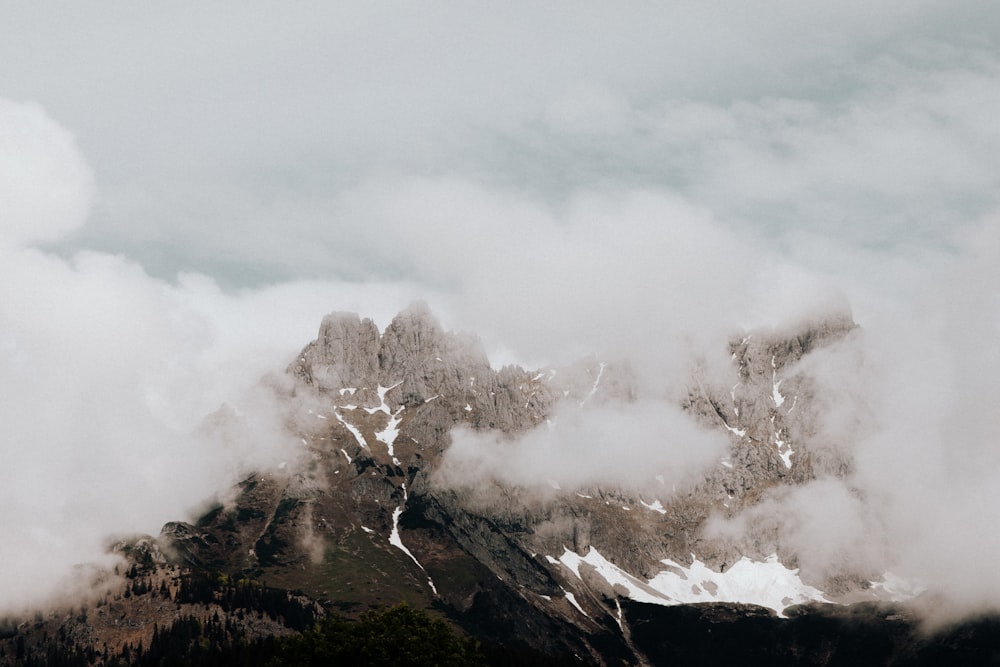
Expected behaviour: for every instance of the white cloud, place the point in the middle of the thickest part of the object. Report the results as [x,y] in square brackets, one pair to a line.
[562,179]
[230,135]
[46,188]
[106,372]
[628,445]
[912,398]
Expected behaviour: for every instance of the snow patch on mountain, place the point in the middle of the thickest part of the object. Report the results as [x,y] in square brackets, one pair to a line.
[767,584]
[572,601]
[397,541]
[354,431]
[635,588]
[597,383]
[775,385]
[655,506]
[736,431]
[383,406]
[388,435]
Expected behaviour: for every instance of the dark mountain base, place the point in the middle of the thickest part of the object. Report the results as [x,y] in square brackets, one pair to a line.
[860,634]
[369,512]
[210,619]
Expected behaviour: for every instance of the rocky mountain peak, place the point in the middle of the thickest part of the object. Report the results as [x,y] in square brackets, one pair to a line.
[611,574]
[759,351]
[423,361]
[382,410]
[344,354]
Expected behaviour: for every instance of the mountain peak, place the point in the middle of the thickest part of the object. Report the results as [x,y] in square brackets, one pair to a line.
[369,512]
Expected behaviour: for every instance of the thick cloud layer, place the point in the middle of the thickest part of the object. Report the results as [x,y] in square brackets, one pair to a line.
[106,372]
[912,398]
[563,180]
[45,185]
[643,445]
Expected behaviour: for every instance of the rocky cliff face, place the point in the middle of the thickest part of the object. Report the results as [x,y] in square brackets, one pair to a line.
[363,522]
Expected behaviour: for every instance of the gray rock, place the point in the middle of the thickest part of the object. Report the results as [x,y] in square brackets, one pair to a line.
[433,381]
[345,354]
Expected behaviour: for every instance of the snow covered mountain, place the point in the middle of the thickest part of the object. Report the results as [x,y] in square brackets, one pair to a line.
[420,479]
[378,496]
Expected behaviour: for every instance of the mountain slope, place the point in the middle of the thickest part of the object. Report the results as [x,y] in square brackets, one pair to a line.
[371,511]
[365,520]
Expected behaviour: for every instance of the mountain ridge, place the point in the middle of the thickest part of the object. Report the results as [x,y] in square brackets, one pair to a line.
[363,519]
[391,401]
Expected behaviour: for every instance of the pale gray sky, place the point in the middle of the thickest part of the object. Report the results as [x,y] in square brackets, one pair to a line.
[225,138]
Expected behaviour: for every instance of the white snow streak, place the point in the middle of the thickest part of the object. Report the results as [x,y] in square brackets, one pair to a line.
[637,589]
[388,435]
[597,381]
[353,429]
[738,431]
[397,541]
[785,455]
[572,601]
[384,407]
[656,506]
[775,383]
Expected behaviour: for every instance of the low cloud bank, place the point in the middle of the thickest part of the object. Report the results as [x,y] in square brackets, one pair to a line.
[107,373]
[912,401]
[643,445]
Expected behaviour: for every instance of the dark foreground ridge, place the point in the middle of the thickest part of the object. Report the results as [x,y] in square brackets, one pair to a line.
[706,634]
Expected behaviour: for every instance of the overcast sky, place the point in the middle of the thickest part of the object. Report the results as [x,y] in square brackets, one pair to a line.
[185,190]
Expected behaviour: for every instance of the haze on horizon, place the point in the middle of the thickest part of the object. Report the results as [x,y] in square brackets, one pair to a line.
[185,191]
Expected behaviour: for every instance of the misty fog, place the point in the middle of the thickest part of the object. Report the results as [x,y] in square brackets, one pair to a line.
[645,196]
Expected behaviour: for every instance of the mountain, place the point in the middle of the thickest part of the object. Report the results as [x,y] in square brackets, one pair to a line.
[373,510]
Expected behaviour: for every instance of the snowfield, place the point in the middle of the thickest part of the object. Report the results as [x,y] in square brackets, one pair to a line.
[767,584]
